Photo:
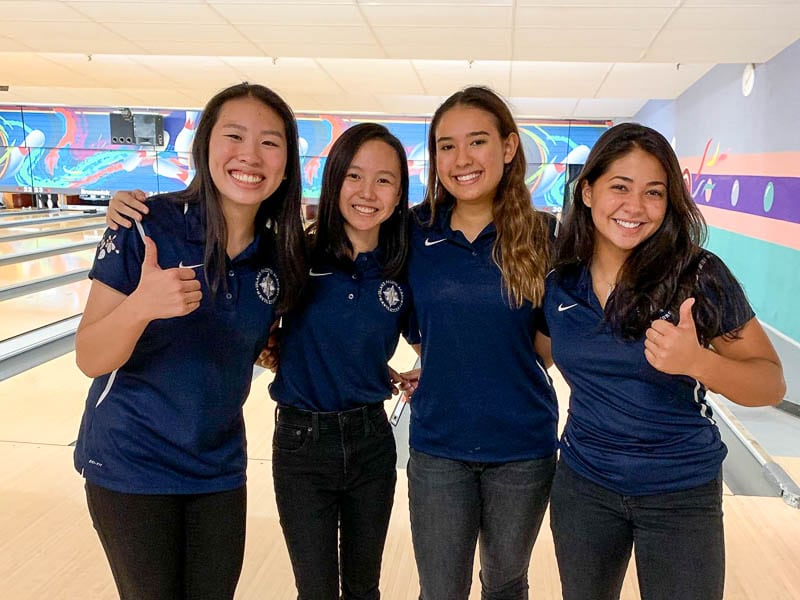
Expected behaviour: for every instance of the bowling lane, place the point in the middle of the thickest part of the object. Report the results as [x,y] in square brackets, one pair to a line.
[27,216]
[50,241]
[42,308]
[44,405]
[42,212]
[99,221]
[72,217]
[45,267]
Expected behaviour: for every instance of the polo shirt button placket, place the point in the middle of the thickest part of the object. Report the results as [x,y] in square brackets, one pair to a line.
[229,295]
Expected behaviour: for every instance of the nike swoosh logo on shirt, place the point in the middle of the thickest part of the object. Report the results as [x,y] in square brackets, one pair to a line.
[183,266]
[562,308]
[315,274]
[434,242]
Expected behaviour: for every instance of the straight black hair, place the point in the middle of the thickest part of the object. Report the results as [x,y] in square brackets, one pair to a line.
[281,209]
[327,236]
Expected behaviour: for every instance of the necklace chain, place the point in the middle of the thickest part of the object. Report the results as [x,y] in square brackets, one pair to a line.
[611,287]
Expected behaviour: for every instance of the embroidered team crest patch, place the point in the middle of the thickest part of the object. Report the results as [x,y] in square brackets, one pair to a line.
[390,295]
[267,285]
[107,246]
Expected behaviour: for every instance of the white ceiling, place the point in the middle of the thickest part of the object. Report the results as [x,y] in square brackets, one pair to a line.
[557,58]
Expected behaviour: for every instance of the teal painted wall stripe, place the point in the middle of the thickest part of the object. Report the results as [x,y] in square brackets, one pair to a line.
[770,274]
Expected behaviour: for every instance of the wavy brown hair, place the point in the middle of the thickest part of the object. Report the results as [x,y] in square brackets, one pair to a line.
[521,249]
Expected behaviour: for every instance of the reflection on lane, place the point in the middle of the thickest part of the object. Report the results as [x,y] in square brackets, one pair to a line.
[7,217]
[44,405]
[46,227]
[45,267]
[42,308]
[47,242]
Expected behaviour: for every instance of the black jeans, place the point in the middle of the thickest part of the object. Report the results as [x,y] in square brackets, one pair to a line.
[168,547]
[334,476]
[676,537]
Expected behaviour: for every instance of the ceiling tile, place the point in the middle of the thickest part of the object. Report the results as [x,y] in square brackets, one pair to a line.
[387,76]
[182,32]
[427,15]
[650,80]
[310,36]
[737,18]
[718,46]
[199,49]
[291,14]
[553,108]
[153,12]
[442,78]
[558,17]
[557,80]
[288,74]
[40,11]
[607,108]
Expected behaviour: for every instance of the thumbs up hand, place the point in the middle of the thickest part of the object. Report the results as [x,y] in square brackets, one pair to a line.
[165,293]
[672,348]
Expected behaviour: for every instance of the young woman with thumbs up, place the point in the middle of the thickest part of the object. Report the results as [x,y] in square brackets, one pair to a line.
[642,322]
[178,311]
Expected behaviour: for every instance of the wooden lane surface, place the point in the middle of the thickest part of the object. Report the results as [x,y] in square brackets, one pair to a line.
[47,242]
[43,405]
[48,548]
[792,466]
[45,267]
[51,227]
[26,216]
[25,313]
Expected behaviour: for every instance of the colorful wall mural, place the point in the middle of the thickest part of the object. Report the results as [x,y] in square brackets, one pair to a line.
[751,194]
[69,150]
[741,160]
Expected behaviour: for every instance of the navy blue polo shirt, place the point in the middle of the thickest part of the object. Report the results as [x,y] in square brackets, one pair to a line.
[169,421]
[631,428]
[334,349]
[484,394]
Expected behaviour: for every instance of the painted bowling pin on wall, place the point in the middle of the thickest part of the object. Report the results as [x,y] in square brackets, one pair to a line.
[11,161]
[183,141]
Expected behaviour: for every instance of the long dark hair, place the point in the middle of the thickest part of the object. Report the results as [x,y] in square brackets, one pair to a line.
[660,272]
[282,208]
[327,236]
[521,248]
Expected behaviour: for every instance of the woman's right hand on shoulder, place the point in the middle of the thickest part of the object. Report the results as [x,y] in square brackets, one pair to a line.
[126,204]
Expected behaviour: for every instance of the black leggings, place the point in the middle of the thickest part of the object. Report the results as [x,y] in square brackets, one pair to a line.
[167,547]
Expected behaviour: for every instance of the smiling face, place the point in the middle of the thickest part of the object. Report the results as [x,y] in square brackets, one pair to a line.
[370,192]
[471,154]
[628,202]
[246,154]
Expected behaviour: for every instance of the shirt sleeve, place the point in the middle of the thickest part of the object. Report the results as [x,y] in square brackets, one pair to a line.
[720,288]
[118,260]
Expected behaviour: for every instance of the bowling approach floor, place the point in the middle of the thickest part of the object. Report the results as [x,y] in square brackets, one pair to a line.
[48,548]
